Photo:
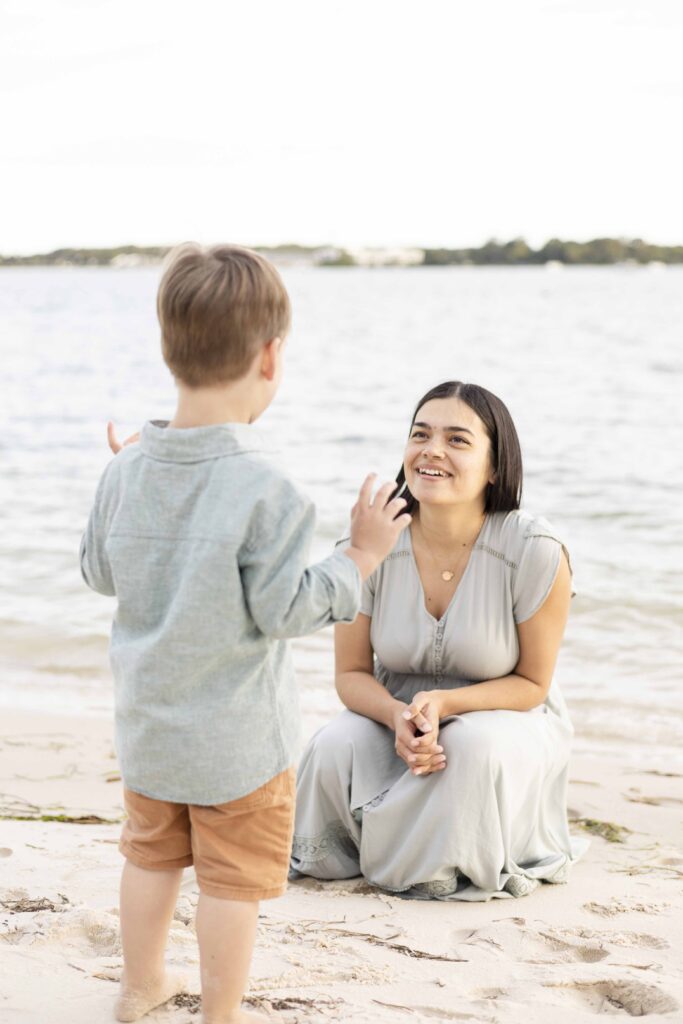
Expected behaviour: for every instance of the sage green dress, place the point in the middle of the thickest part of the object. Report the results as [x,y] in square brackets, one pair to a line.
[494,822]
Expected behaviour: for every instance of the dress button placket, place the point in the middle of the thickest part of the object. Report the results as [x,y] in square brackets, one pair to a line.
[438,676]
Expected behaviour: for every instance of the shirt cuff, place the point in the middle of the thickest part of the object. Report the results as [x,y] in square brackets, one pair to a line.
[344,583]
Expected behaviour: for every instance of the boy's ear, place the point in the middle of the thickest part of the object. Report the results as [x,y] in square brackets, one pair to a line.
[269,358]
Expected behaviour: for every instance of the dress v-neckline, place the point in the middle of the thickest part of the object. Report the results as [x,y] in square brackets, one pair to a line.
[457,590]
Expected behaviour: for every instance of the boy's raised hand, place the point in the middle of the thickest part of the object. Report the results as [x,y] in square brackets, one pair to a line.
[375,525]
[114,443]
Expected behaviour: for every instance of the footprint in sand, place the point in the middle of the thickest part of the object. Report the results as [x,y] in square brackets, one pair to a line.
[583,946]
[527,943]
[637,940]
[490,993]
[617,906]
[592,946]
[533,943]
[89,932]
[614,996]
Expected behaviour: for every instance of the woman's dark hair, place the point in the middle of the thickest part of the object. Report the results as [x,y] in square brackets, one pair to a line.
[505,493]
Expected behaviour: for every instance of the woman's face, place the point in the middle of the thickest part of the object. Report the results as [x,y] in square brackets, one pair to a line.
[447,458]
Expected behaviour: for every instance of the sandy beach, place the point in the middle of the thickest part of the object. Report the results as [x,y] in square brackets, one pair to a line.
[609,942]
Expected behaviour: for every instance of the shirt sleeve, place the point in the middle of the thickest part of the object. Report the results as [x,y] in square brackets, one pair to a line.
[367,592]
[286,597]
[537,570]
[95,567]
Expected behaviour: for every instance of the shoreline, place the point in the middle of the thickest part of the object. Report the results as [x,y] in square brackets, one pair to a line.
[607,941]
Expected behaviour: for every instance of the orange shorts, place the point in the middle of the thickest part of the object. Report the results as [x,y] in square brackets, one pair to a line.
[240,850]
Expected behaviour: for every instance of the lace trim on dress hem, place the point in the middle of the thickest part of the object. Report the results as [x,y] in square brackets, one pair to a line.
[439,886]
[310,849]
[520,885]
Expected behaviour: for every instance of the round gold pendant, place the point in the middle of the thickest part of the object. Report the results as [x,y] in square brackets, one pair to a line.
[447,575]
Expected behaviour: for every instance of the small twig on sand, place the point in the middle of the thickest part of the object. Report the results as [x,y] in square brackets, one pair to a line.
[193,1003]
[397,947]
[395,1006]
[291,1003]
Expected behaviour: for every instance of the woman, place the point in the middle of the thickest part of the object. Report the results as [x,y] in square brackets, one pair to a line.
[446,777]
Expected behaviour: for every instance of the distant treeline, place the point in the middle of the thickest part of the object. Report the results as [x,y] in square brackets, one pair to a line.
[89,257]
[135,255]
[518,253]
[599,251]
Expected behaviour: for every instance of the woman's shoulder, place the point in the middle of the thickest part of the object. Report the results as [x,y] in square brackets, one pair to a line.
[391,571]
[397,559]
[508,533]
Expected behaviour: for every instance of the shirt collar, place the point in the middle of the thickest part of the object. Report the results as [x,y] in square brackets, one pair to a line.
[195,444]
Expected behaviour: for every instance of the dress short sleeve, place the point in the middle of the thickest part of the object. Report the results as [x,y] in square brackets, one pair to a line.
[537,569]
[367,594]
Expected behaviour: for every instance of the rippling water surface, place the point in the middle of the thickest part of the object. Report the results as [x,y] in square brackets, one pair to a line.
[589,361]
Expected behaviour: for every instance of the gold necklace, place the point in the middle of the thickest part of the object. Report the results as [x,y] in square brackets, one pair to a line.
[448,574]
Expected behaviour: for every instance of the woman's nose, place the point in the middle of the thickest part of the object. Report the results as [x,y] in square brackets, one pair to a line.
[434,450]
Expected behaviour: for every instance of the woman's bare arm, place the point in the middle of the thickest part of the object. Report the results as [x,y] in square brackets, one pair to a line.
[356,685]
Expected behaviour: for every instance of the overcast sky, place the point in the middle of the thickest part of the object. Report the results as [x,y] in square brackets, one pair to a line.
[362,122]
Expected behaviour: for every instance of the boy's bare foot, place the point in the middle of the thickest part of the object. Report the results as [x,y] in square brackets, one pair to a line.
[243,1017]
[135,1003]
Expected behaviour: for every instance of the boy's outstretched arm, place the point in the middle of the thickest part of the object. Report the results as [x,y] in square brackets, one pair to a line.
[288,598]
[95,568]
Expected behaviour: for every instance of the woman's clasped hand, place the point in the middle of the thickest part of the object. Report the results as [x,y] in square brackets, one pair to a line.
[416,729]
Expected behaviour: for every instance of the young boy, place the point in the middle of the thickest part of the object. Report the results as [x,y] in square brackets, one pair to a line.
[204,542]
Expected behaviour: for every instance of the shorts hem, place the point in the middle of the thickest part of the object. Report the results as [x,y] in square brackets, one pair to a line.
[152,865]
[224,892]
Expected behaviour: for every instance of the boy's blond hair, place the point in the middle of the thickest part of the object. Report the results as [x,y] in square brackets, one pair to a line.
[216,306]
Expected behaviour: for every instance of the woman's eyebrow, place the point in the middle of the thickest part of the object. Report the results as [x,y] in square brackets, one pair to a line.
[448,430]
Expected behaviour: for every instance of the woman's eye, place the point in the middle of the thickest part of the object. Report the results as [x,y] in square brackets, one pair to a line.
[418,434]
[463,440]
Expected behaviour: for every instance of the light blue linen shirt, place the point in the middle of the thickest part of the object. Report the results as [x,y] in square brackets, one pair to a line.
[205,544]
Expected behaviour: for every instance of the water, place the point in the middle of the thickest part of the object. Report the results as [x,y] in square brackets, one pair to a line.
[589,362]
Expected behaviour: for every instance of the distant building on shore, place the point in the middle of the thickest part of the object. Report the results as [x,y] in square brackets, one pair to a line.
[134,259]
[387,257]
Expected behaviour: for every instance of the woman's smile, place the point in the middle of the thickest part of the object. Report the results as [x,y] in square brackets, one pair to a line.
[432,473]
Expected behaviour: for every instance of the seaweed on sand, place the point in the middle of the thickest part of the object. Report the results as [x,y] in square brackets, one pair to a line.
[606,829]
